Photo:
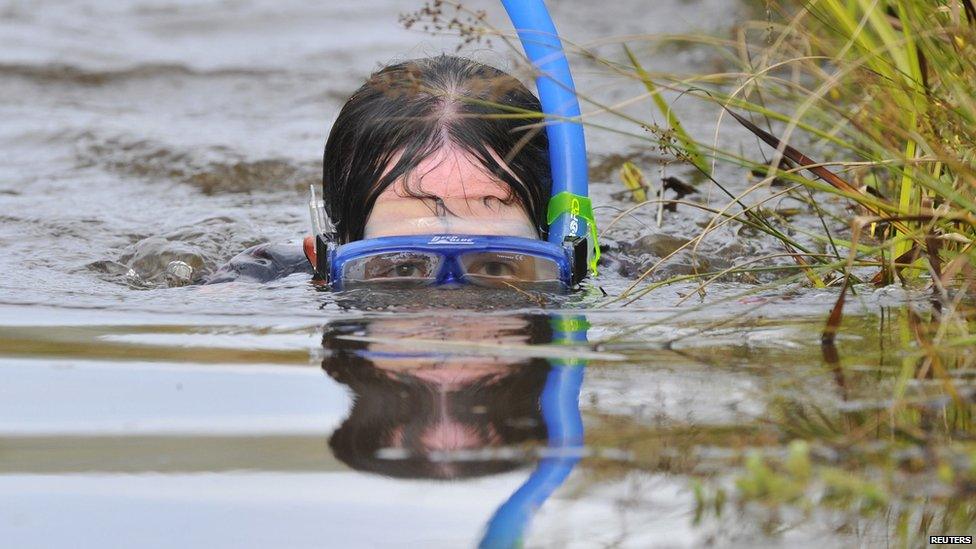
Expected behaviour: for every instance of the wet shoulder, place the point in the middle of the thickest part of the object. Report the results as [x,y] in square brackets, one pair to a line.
[263,263]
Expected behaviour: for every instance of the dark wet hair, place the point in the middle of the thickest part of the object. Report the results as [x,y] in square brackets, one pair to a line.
[415,108]
[503,411]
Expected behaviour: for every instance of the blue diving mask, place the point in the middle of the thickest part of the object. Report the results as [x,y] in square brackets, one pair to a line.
[425,260]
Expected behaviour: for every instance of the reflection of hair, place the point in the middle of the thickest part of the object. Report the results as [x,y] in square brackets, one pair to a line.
[408,111]
[398,408]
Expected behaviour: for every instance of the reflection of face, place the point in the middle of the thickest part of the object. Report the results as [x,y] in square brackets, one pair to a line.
[461,198]
[416,403]
[445,373]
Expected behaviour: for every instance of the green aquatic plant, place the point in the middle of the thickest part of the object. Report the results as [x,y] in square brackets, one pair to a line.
[688,148]
[870,101]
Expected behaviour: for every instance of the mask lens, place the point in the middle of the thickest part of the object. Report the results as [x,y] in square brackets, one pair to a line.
[402,269]
[504,269]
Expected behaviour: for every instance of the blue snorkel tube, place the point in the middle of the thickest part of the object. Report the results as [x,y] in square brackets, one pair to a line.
[564,427]
[570,212]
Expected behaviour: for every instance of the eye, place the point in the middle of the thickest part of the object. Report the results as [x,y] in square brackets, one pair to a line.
[402,269]
[410,269]
[393,266]
[495,268]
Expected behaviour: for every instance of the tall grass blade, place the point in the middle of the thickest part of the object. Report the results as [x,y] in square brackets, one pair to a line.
[836,315]
[688,144]
[808,163]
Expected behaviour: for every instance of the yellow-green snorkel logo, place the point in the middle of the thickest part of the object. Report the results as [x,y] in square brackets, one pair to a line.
[578,207]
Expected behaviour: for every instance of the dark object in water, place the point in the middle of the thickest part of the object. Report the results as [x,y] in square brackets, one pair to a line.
[680,188]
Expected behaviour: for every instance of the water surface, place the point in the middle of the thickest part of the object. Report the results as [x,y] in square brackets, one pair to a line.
[137,415]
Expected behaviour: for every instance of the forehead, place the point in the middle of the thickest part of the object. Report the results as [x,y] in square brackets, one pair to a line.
[451,172]
[469,200]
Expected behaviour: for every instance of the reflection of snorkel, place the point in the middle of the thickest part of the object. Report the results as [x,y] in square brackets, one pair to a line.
[570,214]
[561,414]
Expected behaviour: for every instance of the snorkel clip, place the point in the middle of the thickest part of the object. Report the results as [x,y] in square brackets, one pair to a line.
[571,217]
[324,232]
[578,247]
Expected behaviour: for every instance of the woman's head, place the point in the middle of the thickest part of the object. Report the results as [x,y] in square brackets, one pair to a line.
[425,146]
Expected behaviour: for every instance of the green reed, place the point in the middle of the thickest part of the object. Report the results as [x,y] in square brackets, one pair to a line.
[873,101]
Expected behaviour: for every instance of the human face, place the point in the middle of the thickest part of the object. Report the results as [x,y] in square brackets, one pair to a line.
[461,197]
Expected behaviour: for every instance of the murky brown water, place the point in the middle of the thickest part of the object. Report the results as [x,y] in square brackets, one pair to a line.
[276,415]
